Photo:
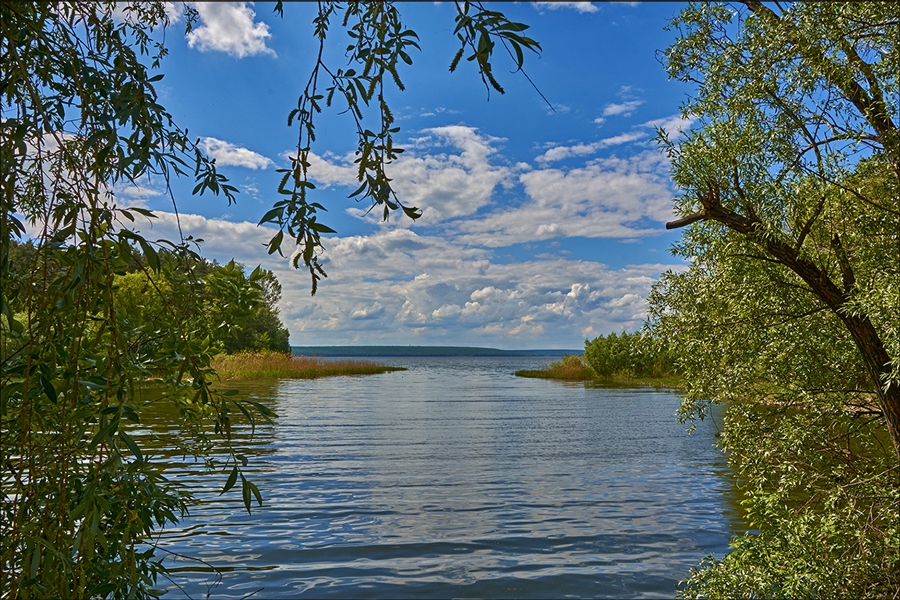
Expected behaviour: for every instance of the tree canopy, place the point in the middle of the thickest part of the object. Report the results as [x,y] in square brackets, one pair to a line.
[790,307]
[90,308]
[795,168]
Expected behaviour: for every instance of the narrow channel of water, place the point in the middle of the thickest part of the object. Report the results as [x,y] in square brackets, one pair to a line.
[457,479]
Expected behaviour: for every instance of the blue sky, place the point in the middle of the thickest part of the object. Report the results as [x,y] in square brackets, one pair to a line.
[541,227]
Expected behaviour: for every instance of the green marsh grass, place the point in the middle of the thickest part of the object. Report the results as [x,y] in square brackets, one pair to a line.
[276,365]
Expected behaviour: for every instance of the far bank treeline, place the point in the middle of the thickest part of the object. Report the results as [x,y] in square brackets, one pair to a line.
[623,358]
[235,311]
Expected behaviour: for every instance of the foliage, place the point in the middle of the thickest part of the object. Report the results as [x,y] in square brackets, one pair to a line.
[379,44]
[788,310]
[627,355]
[821,486]
[236,311]
[270,364]
[80,117]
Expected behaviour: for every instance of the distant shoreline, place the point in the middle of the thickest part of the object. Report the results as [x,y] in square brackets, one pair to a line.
[380,351]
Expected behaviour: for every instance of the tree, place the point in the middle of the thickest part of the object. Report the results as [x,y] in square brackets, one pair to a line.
[789,309]
[628,355]
[79,116]
[236,311]
[797,163]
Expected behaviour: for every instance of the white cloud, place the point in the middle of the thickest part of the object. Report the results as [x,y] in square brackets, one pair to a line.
[582,7]
[229,27]
[137,195]
[129,11]
[227,154]
[624,109]
[606,198]
[444,184]
[367,312]
[562,152]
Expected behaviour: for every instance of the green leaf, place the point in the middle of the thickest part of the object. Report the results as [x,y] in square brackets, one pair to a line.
[132,446]
[49,390]
[275,243]
[245,492]
[105,434]
[232,479]
[319,228]
[150,254]
[273,216]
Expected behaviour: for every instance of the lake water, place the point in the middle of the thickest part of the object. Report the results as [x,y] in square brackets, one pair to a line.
[457,479]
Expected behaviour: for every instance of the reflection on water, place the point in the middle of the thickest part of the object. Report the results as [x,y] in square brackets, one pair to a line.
[456,478]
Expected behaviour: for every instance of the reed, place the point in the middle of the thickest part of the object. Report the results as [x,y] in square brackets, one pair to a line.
[568,368]
[276,365]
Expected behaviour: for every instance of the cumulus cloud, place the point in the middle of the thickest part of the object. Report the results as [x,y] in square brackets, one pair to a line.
[447,172]
[229,27]
[365,313]
[606,198]
[227,154]
[136,195]
[397,287]
[425,289]
[582,7]
[442,283]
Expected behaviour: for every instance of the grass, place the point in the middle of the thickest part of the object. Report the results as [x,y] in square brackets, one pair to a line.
[276,365]
[574,368]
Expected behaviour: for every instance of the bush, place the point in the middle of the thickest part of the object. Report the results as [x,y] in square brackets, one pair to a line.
[627,355]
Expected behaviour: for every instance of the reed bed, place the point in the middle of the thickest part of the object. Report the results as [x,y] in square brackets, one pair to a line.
[574,368]
[276,365]
[568,368]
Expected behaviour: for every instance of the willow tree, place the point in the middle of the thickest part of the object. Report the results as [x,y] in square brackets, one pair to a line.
[790,308]
[80,118]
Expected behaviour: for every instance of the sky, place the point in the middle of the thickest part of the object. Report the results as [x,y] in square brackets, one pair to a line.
[542,225]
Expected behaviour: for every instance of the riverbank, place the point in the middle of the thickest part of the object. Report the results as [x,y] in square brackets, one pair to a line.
[276,365]
[573,368]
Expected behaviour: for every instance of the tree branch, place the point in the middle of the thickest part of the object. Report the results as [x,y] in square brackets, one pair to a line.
[685,221]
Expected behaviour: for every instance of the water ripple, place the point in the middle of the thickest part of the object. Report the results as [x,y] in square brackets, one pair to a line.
[456,479]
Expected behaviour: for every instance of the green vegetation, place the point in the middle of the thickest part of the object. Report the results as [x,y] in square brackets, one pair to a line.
[617,360]
[273,365]
[788,311]
[80,495]
[234,322]
[628,356]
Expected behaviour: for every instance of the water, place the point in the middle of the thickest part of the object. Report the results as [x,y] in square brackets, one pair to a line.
[457,479]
